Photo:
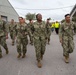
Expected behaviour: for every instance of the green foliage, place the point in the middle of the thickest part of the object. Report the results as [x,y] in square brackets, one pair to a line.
[30,16]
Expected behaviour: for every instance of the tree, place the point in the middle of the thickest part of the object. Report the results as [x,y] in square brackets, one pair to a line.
[30,16]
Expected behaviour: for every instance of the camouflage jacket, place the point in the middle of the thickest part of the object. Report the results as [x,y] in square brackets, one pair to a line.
[48,25]
[67,29]
[39,30]
[30,27]
[22,30]
[3,29]
[12,27]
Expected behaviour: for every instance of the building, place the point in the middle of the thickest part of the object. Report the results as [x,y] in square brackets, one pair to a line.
[73,12]
[7,12]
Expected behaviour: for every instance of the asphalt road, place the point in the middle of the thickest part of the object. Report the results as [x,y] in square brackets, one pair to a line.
[52,64]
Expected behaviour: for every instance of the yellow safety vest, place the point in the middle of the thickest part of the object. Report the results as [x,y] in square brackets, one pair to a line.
[57,25]
[53,25]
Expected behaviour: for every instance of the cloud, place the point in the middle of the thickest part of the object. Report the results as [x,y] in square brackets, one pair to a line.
[43,4]
[60,3]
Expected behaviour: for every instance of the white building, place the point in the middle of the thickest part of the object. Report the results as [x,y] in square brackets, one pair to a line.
[7,12]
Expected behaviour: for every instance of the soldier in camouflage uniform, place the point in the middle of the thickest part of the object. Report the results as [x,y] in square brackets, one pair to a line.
[66,33]
[22,40]
[30,28]
[12,28]
[3,34]
[39,35]
[48,25]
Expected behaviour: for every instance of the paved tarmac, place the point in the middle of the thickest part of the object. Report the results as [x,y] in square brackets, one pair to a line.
[52,64]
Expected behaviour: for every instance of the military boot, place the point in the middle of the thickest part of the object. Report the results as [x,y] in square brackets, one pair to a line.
[12,43]
[19,55]
[66,59]
[7,51]
[0,55]
[31,43]
[23,55]
[39,64]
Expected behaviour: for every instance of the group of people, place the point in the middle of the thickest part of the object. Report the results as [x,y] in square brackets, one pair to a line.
[56,26]
[39,33]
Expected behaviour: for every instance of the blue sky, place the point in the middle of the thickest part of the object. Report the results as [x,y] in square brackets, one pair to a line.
[56,14]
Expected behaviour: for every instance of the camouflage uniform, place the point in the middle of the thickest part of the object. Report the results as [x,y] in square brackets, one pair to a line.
[22,40]
[30,28]
[39,35]
[48,31]
[3,36]
[12,28]
[66,33]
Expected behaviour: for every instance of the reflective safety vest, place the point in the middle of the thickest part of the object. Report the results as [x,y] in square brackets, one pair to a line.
[53,25]
[57,25]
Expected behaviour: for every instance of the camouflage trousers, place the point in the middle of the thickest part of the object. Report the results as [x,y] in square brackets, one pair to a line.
[3,43]
[12,35]
[31,39]
[39,48]
[22,45]
[68,46]
[48,37]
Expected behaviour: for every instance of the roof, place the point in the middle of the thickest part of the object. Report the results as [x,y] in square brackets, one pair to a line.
[13,8]
[73,9]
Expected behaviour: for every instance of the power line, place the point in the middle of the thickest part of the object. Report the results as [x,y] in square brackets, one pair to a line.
[39,9]
[46,9]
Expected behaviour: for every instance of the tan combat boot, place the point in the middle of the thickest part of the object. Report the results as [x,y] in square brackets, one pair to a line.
[19,55]
[7,51]
[66,59]
[39,64]
[0,55]
[23,55]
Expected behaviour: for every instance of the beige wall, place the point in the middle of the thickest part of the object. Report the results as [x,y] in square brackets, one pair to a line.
[7,10]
